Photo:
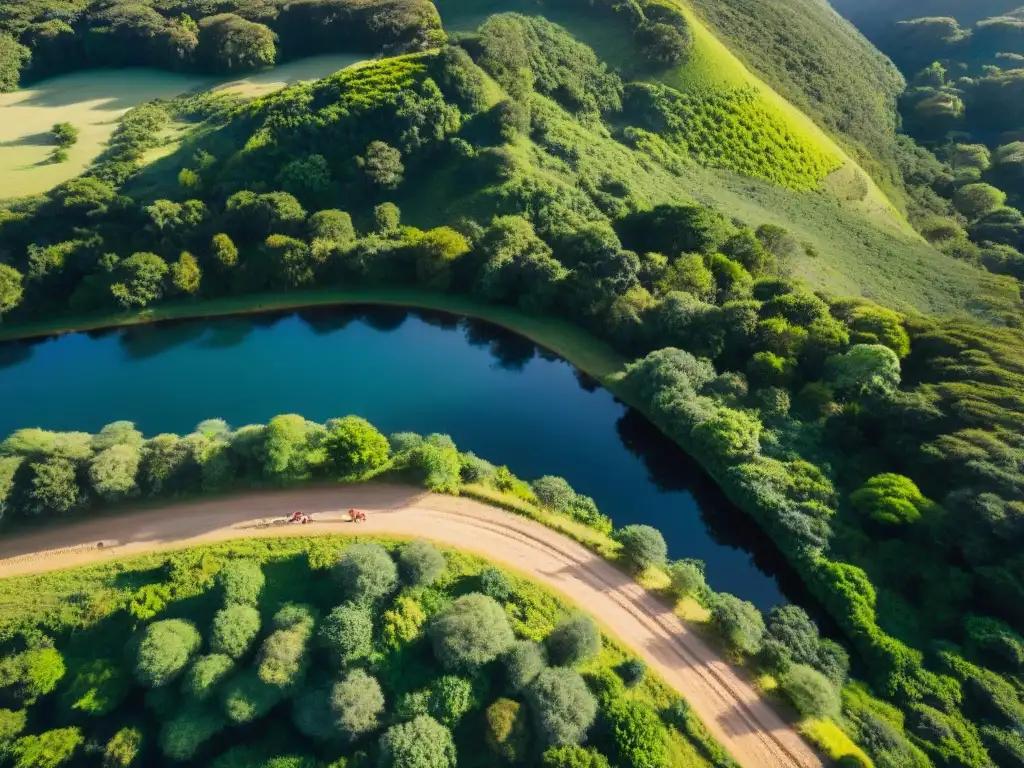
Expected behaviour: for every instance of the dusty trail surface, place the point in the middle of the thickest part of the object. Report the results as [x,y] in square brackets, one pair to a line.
[732,709]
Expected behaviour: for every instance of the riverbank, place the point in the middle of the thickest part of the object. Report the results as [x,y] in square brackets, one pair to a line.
[588,353]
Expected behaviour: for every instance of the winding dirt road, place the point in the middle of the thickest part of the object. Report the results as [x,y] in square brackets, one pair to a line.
[739,718]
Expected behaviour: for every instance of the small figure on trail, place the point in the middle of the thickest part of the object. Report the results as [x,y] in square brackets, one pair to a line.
[356,517]
[299,517]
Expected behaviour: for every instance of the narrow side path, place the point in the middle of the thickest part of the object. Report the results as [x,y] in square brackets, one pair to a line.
[732,709]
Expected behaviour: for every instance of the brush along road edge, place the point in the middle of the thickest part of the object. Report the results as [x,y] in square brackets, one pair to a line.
[742,721]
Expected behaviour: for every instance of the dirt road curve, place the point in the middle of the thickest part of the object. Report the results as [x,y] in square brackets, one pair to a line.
[744,723]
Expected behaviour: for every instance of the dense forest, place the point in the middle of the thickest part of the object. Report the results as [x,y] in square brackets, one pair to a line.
[962,103]
[329,653]
[881,451]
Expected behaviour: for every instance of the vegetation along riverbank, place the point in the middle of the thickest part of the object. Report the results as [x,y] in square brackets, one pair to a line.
[857,387]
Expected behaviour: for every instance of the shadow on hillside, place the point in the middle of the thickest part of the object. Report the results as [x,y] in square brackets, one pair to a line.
[43,139]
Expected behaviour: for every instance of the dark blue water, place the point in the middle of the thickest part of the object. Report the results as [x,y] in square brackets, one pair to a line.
[495,393]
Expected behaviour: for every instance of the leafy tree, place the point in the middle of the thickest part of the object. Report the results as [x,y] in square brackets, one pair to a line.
[495,584]
[382,165]
[438,249]
[347,633]
[563,707]
[738,622]
[573,640]
[139,280]
[205,674]
[729,435]
[833,662]
[355,447]
[386,218]
[995,642]
[123,749]
[112,472]
[791,626]
[333,226]
[402,624]
[865,368]
[420,743]
[312,714]
[664,44]
[366,573]
[553,492]
[183,736]
[234,629]
[451,697]
[11,724]
[47,750]
[229,43]
[225,254]
[471,632]
[117,433]
[573,756]
[357,702]
[245,697]
[283,658]
[891,500]
[13,58]
[687,578]
[10,282]
[523,662]
[162,651]
[241,581]
[976,200]
[420,563]
[508,731]
[643,546]
[637,734]
[285,453]
[185,274]
[32,673]
[811,692]
[632,672]
[98,688]
[54,486]
[306,177]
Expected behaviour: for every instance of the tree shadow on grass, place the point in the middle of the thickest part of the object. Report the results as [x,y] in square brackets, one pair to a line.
[42,139]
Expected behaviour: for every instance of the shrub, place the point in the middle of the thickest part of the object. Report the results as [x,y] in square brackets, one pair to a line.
[246,697]
[791,626]
[994,642]
[98,688]
[234,629]
[402,623]
[421,743]
[637,735]
[241,581]
[182,737]
[47,750]
[632,672]
[420,563]
[472,631]
[163,650]
[811,692]
[891,500]
[123,749]
[451,697]
[774,657]
[283,660]
[355,447]
[687,579]
[553,492]
[312,714]
[523,662]
[738,622]
[573,640]
[366,572]
[495,584]
[12,722]
[643,546]
[562,705]
[357,702]
[295,616]
[205,674]
[508,731]
[347,633]
[573,756]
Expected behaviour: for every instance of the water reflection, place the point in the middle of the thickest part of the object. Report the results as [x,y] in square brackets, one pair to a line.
[497,393]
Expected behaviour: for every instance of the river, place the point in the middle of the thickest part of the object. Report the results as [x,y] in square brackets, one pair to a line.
[496,393]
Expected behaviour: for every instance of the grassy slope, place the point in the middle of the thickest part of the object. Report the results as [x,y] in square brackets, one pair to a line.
[865,248]
[94,101]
